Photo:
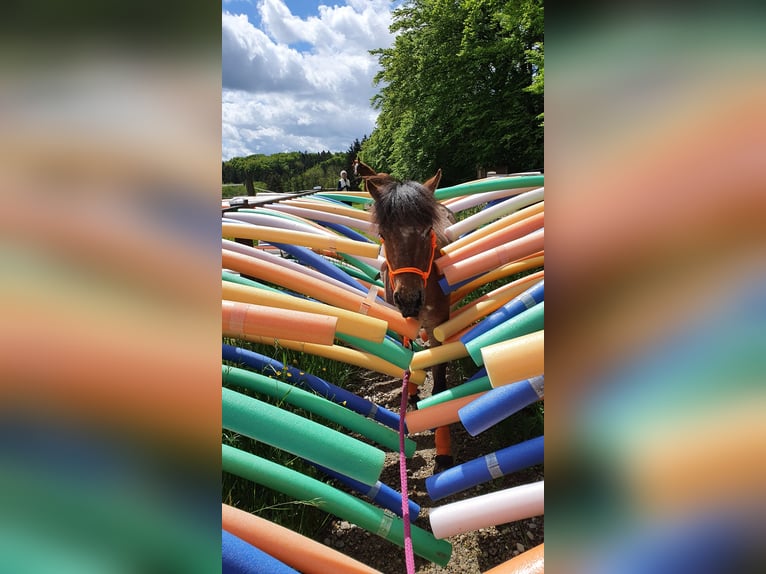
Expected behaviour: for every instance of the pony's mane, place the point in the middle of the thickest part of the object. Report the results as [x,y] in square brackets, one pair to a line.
[405,204]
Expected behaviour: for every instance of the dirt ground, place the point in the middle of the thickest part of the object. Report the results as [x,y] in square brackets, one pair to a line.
[472,552]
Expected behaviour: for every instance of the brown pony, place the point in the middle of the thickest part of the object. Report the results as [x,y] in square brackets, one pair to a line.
[411,224]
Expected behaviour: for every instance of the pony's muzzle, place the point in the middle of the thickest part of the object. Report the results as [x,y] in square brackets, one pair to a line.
[409,302]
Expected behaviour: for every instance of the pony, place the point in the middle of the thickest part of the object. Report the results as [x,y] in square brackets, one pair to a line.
[411,225]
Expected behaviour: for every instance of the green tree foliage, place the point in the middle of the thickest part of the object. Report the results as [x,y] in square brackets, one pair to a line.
[455,89]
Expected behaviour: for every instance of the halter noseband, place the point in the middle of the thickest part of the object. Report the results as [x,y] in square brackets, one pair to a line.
[424,275]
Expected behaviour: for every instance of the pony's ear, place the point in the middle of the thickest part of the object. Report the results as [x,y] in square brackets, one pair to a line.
[433,183]
[375,184]
[364,170]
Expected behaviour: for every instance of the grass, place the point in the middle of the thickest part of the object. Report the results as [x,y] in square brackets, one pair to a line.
[233,190]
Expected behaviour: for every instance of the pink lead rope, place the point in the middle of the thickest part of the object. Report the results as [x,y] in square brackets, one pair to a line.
[408,554]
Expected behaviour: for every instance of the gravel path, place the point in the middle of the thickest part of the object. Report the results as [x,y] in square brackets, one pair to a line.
[472,552]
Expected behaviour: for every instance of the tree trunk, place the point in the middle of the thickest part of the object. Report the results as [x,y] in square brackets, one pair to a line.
[249,185]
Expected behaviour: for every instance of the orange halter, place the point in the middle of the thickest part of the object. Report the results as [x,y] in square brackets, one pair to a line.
[424,275]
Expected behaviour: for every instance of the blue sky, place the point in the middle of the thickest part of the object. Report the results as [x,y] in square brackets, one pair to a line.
[297,75]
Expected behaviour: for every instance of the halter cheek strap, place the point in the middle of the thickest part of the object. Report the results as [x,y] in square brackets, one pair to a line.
[424,275]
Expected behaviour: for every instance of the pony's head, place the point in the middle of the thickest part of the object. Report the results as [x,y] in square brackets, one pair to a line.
[406,214]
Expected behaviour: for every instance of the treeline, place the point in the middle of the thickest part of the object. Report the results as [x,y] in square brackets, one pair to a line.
[462,89]
[289,171]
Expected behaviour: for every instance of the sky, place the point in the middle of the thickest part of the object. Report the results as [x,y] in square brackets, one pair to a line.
[297,75]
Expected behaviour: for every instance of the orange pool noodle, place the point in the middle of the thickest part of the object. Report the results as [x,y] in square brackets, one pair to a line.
[483,262]
[349,323]
[530,562]
[533,261]
[295,550]
[305,239]
[240,320]
[499,237]
[492,227]
[321,291]
[437,415]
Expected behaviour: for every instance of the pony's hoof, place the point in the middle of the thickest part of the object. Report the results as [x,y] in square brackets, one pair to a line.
[443,462]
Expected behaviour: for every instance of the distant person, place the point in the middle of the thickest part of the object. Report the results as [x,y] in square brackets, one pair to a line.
[344,184]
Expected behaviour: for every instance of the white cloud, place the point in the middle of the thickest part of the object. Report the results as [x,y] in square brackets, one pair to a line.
[300,83]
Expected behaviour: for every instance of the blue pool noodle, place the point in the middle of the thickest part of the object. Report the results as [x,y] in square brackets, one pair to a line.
[311,259]
[515,306]
[382,494]
[320,386]
[498,404]
[485,468]
[347,231]
[241,557]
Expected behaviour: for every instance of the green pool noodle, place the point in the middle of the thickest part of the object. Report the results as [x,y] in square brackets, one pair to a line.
[529,321]
[301,437]
[331,500]
[368,270]
[388,350]
[344,197]
[469,388]
[355,273]
[317,405]
[236,278]
[491,184]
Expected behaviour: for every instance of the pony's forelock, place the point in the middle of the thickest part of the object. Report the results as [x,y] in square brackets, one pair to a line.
[405,204]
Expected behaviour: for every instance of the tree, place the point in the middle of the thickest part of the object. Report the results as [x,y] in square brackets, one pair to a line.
[455,89]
